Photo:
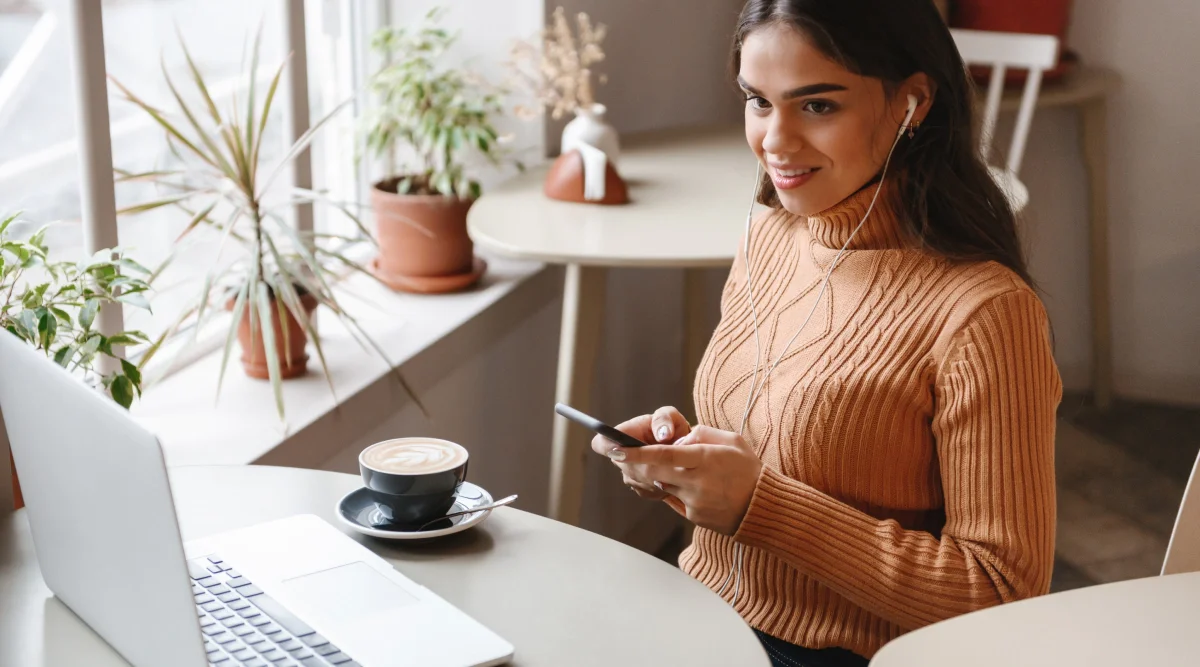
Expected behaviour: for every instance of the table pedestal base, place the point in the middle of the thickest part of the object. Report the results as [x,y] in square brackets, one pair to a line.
[579,342]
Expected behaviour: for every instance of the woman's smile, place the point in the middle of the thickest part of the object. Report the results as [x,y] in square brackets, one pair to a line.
[790,178]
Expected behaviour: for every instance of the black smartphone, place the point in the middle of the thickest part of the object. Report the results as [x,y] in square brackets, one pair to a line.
[593,424]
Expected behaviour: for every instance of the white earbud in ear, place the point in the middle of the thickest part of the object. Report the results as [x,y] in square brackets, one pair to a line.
[912,109]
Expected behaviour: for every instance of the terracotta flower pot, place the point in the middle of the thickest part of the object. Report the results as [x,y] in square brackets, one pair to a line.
[293,360]
[18,499]
[1041,17]
[421,236]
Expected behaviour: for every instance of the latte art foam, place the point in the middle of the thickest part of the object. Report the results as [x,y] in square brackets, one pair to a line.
[414,456]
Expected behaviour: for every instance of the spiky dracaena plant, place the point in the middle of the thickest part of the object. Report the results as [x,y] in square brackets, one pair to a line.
[221,187]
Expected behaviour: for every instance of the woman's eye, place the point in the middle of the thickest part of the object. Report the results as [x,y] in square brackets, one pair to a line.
[757,102]
[818,107]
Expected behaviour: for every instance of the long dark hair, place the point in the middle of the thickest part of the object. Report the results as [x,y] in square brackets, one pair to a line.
[947,201]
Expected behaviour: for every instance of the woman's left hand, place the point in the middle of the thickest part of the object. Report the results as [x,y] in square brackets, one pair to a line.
[713,472]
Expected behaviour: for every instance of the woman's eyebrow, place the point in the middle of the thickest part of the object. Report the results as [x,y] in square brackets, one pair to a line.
[803,91]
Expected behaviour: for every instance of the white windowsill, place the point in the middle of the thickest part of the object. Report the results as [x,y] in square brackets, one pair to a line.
[424,336]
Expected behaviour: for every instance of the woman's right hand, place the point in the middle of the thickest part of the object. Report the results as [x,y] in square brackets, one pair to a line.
[665,426]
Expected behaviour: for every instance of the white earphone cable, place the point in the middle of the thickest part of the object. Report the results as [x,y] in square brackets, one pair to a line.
[750,294]
[755,387]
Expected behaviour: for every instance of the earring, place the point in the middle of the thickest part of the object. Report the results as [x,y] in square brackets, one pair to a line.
[913,127]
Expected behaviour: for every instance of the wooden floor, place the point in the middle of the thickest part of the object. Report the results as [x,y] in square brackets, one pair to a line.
[1121,476]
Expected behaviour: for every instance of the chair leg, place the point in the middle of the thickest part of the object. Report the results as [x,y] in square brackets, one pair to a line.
[1094,129]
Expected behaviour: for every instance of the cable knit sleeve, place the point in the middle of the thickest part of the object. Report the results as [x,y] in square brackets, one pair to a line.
[997,389]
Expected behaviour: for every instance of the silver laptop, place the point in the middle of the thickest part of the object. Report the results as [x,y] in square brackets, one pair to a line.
[290,592]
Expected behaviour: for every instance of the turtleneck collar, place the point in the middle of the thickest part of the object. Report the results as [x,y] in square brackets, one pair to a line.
[833,226]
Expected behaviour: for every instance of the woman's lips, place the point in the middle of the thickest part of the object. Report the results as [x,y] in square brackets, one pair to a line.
[789,179]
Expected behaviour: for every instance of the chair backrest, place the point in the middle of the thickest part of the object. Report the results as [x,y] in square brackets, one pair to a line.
[1004,51]
[1183,551]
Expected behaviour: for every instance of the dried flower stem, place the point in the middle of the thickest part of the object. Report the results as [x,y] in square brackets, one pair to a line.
[559,74]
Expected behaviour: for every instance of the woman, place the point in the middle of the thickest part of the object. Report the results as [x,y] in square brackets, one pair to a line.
[887,463]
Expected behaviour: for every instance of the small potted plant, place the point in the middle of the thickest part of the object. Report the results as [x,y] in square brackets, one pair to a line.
[429,122]
[282,275]
[53,307]
[558,73]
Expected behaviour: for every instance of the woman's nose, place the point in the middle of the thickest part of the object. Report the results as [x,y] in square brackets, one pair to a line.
[782,137]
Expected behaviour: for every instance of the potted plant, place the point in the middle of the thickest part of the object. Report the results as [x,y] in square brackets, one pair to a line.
[53,307]
[558,73]
[282,275]
[429,121]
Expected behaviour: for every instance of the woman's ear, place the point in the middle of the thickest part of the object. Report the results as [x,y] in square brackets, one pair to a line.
[921,87]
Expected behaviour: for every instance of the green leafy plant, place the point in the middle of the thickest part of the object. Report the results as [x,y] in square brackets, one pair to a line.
[442,115]
[221,188]
[53,307]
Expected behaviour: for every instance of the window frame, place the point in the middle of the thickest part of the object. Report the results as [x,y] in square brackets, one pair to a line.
[84,21]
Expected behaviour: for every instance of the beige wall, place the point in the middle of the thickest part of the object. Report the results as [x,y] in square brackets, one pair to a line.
[1154,150]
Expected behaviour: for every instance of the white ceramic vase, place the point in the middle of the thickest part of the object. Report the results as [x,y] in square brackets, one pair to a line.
[588,127]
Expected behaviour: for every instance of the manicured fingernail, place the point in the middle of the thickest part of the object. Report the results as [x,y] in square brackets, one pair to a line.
[659,485]
[616,455]
[663,433]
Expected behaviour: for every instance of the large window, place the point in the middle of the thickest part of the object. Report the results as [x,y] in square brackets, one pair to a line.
[218,34]
[38,156]
[39,172]
[39,146]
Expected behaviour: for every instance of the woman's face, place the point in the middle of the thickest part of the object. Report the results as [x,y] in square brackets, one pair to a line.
[820,131]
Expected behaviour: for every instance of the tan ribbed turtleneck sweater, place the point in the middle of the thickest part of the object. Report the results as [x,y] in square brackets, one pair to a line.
[907,437]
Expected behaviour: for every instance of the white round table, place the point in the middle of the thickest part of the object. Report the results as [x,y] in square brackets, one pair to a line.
[560,595]
[1141,622]
[690,191]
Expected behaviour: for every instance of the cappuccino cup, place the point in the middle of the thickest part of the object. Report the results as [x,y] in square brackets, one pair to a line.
[413,480]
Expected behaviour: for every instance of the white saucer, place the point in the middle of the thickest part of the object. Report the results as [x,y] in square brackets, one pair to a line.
[359,512]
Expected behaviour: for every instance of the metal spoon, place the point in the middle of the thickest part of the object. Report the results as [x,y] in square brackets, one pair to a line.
[499,503]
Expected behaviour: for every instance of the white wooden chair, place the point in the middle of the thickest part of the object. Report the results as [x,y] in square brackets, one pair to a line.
[1004,51]
[1183,551]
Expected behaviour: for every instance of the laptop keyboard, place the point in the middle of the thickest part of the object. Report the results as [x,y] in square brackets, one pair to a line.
[244,626]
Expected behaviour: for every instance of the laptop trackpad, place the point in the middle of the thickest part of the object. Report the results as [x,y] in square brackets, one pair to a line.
[347,592]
